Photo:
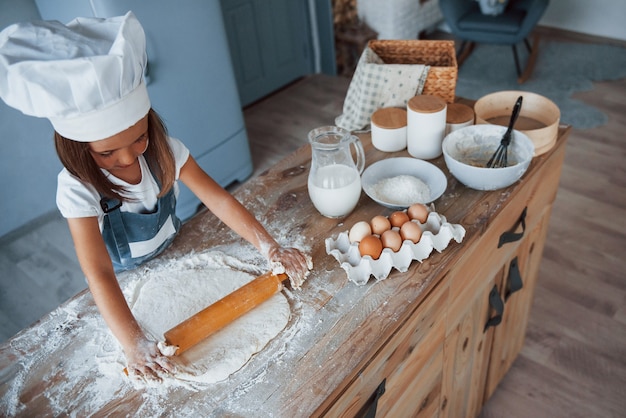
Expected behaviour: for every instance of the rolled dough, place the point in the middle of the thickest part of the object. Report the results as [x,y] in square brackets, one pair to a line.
[168,297]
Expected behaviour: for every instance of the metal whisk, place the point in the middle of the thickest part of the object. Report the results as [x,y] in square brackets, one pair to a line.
[500,158]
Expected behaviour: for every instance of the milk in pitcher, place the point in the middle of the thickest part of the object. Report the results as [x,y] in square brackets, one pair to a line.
[335,190]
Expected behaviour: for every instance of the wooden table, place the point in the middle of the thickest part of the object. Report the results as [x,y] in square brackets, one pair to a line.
[416,342]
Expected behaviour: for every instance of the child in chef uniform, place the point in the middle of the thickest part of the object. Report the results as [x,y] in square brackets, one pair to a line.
[118,188]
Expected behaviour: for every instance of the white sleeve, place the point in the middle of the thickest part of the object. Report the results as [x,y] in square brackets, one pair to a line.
[181,154]
[75,198]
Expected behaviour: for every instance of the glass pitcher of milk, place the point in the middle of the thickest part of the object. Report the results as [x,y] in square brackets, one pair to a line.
[335,178]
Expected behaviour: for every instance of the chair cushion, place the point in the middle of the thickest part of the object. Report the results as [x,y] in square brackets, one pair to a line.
[508,22]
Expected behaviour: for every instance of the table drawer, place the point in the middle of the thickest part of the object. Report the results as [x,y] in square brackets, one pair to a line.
[489,249]
[412,354]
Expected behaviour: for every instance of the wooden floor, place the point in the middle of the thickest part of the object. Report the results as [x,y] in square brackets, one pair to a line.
[574,361]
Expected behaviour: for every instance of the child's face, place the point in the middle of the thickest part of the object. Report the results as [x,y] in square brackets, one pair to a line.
[119,152]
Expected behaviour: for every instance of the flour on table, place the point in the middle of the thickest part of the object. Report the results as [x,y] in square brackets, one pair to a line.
[401,190]
[166,297]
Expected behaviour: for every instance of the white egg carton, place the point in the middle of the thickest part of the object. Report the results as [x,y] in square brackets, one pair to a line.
[437,234]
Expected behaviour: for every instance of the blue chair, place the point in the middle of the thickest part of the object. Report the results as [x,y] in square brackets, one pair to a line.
[511,27]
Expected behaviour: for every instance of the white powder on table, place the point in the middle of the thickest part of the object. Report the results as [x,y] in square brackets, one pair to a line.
[168,297]
[402,190]
[90,378]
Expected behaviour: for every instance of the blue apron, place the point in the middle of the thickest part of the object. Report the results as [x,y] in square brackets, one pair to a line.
[125,231]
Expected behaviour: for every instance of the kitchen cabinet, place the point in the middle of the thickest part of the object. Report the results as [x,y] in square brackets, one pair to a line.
[406,372]
[26,143]
[491,292]
[476,333]
[414,344]
[508,337]
[270,44]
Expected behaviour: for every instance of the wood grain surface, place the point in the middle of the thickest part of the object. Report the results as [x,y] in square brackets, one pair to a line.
[350,327]
[573,362]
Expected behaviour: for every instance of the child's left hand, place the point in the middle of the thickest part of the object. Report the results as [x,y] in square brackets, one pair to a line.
[292,261]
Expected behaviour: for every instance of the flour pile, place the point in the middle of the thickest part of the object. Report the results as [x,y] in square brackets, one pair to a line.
[169,294]
[168,297]
[403,190]
[90,377]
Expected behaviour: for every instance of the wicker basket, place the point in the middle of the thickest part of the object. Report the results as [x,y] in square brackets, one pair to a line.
[439,55]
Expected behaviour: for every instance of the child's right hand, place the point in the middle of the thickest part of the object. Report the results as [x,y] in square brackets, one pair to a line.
[295,263]
[146,361]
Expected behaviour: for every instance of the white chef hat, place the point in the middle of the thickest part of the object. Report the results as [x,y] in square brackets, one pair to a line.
[86,77]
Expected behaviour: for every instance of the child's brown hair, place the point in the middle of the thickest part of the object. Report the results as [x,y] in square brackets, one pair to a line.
[77,159]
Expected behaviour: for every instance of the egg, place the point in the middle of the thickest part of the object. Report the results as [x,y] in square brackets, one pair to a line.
[418,212]
[411,231]
[359,230]
[372,246]
[398,218]
[380,224]
[391,239]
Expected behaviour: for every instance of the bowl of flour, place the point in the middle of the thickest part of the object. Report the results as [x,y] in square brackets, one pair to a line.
[397,183]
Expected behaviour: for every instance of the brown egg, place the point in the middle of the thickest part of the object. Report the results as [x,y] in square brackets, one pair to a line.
[411,231]
[372,246]
[391,239]
[380,224]
[359,230]
[398,218]
[418,212]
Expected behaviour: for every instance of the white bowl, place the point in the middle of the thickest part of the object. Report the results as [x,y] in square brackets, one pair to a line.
[430,174]
[467,151]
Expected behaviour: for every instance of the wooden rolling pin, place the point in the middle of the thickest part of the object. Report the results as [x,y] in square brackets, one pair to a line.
[221,313]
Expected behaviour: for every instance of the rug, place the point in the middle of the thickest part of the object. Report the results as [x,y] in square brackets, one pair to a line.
[562,68]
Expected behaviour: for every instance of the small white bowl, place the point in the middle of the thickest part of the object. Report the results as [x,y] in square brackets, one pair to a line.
[430,174]
[467,151]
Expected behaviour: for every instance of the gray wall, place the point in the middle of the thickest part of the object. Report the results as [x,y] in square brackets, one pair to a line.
[603,18]
[28,161]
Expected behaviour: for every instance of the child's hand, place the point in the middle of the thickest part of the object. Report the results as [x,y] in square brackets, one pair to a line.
[146,361]
[292,262]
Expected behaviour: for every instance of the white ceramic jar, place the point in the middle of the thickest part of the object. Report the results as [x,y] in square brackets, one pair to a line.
[389,129]
[458,116]
[426,126]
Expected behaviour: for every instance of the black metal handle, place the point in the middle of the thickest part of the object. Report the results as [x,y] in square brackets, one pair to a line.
[516,108]
[512,236]
[496,303]
[371,410]
[514,281]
